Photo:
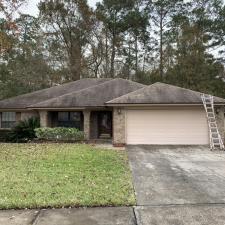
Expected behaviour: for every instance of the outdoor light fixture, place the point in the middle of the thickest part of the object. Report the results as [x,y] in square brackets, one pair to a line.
[217,110]
[119,111]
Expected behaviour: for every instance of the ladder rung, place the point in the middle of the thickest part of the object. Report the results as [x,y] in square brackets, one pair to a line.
[216,144]
[215,138]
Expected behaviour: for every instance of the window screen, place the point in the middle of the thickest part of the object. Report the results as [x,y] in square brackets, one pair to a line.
[63,116]
[70,119]
[8,119]
[75,116]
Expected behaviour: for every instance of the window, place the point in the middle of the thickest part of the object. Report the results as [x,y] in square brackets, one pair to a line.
[70,119]
[63,116]
[75,116]
[8,119]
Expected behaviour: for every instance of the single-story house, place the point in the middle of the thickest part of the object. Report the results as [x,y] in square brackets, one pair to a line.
[120,110]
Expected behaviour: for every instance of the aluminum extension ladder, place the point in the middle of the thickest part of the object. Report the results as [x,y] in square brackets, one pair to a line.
[215,138]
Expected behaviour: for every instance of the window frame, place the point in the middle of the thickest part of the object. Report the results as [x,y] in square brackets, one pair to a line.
[70,122]
[8,121]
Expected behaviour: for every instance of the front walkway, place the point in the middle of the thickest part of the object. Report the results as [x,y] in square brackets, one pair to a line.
[91,216]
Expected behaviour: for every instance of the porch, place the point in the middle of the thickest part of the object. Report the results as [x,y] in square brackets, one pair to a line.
[96,124]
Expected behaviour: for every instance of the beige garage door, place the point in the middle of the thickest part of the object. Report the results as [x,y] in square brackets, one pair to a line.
[167,126]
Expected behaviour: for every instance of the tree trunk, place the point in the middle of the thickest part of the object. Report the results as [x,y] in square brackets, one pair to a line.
[106,54]
[161,45]
[136,54]
[129,61]
[75,63]
[113,55]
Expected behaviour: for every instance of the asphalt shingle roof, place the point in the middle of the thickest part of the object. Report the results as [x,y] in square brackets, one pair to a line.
[95,96]
[23,101]
[160,93]
[102,92]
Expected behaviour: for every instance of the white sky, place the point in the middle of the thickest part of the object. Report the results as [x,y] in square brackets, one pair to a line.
[31,6]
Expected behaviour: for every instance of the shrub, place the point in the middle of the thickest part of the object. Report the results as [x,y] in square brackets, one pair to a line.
[60,133]
[24,130]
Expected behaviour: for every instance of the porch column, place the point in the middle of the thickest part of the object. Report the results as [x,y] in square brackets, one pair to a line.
[220,120]
[87,115]
[119,127]
[43,118]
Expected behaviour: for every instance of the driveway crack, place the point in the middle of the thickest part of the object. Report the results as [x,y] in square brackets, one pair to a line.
[35,219]
[135,217]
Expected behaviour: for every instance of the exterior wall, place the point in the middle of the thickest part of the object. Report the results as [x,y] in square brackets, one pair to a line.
[220,120]
[44,118]
[28,114]
[18,116]
[119,118]
[87,115]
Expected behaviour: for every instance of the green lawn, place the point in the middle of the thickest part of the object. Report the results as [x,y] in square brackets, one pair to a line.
[57,175]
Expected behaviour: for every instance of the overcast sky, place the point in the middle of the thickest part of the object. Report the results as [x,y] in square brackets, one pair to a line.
[31,7]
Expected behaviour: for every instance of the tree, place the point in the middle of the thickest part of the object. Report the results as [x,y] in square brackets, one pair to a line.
[218,28]
[162,13]
[7,9]
[68,24]
[138,36]
[23,67]
[195,68]
[112,13]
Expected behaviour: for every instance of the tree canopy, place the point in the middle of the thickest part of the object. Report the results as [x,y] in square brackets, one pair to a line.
[174,41]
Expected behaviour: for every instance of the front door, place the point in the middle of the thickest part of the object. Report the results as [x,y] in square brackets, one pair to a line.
[105,125]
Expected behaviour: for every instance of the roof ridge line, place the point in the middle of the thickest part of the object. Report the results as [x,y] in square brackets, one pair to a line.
[41,90]
[30,106]
[131,81]
[146,86]
[159,85]
[33,92]
[187,89]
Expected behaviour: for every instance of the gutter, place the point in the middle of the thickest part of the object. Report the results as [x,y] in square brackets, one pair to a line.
[147,104]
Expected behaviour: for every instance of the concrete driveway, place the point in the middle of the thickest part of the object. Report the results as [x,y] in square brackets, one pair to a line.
[178,185]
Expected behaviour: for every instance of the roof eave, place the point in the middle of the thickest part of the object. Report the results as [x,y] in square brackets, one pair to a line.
[14,109]
[160,104]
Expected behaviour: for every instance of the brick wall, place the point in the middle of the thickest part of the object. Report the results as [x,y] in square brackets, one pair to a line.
[119,126]
[220,120]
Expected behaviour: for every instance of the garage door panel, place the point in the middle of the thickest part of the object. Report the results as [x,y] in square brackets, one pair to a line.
[186,126]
